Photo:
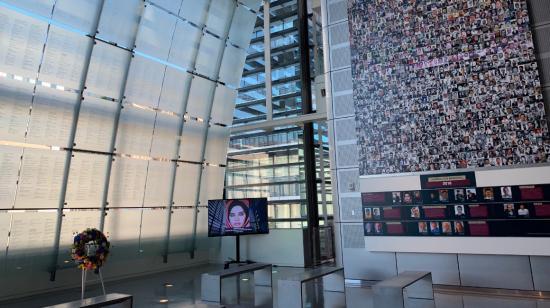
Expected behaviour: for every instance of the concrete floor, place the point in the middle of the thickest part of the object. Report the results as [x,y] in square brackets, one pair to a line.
[149,290]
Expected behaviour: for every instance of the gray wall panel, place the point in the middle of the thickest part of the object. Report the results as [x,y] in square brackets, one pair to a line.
[348,181]
[332,148]
[337,10]
[491,271]
[341,81]
[540,11]
[352,235]
[339,34]
[540,267]
[365,265]
[343,105]
[546,94]
[345,130]
[444,267]
[351,209]
[347,155]
[541,35]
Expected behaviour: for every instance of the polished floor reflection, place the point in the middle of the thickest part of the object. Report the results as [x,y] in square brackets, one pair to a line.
[182,289]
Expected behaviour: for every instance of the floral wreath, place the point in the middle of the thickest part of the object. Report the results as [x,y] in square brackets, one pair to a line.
[90,249]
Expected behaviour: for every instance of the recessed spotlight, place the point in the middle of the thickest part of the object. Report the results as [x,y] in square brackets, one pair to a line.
[168,285]
[274,272]
[164,300]
[66,261]
[244,279]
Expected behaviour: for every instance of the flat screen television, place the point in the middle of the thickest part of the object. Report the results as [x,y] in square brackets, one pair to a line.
[231,217]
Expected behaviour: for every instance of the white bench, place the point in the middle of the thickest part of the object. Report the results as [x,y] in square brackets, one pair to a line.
[417,285]
[290,289]
[111,299]
[211,283]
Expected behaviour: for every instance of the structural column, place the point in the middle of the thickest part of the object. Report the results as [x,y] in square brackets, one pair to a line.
[311,241]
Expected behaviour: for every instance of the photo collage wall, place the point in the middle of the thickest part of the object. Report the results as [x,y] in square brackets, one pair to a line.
[445,85]
[452,205]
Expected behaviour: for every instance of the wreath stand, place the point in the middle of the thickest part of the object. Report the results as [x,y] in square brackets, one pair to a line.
[84,276]
[89,251]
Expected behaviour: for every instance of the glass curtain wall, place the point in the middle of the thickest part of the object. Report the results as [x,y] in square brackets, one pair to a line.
[270,162]
[113,114]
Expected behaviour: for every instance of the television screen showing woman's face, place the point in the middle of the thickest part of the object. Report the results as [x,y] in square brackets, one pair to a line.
[237,215]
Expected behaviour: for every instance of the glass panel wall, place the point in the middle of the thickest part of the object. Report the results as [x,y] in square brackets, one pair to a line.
[285,59]
[105,108]
[251,100]
[262,164]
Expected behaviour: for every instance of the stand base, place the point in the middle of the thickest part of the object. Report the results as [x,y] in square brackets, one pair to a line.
[239,263]
[238,251]
[83,286]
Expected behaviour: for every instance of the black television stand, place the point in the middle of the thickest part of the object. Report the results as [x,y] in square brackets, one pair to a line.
[238,252]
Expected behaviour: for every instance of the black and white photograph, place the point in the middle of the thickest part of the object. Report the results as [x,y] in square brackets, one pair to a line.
[459,210]
[506,192]
[459,195]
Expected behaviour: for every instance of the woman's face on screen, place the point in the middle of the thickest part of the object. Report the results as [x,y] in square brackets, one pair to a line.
[237,216]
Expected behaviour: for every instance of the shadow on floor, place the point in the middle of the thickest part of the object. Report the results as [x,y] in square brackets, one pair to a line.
[182,289]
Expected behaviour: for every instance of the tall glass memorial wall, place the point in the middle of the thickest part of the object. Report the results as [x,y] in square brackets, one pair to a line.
[114,115]
[270,162]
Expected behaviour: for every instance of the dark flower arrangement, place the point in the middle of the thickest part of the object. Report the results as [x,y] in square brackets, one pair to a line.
[90,249]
